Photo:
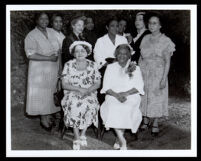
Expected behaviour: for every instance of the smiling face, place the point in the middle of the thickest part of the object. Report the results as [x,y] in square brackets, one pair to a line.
[80,52]
[57,23]
[78,27]
[43,21]
[154,24]
[123,56]
[139,22]
[113,27]
[122,26]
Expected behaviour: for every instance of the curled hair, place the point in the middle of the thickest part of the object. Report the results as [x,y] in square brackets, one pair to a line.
[123,46]
[84,46]
[76,19]
[158,16]
[145,17]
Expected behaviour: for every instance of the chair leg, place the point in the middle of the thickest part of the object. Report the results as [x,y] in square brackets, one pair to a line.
[62,132]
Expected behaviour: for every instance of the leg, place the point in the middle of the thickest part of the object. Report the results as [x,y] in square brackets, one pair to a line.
[76,134]
[83,138]
[155,129]
[76,141]
[44,123]
[120,135]
[145,123]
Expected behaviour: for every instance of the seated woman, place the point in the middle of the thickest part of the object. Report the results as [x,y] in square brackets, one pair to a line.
[122,87]
[80,81]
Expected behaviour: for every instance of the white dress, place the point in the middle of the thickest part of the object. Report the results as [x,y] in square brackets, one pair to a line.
[104,48]
[115,114]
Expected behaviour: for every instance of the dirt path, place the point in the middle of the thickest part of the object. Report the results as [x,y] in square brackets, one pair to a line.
[175,133]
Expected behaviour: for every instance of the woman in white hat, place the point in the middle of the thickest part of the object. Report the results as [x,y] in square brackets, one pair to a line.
[80,81]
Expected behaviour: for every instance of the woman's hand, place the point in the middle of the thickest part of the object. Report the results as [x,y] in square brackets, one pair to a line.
[163,83]
[120,97]
[83,91]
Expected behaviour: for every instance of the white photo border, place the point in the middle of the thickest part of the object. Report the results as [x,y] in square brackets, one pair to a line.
[106,153]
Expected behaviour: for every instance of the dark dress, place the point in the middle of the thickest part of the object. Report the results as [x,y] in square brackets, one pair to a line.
[91,37]
[136,46]
[66,56]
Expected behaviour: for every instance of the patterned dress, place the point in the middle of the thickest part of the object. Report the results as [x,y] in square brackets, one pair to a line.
[80,112]
[155,101]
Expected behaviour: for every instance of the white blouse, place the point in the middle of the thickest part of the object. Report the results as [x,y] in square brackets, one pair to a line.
[116,79]
[59,36]
[104,48]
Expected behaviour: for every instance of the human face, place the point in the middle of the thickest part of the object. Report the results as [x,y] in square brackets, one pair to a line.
[78,27]
[43,21]
[90,24]
[57,23]
[80,52]
[113,27]
[123,56]
[154,24]
[122,26]
[139,22]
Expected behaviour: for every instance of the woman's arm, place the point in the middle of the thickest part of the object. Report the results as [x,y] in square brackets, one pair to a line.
[94,87]
[166,70]
[129,92]
[118,96]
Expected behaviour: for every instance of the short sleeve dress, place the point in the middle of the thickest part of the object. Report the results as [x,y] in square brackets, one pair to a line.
[42,75]
[80,112]
[152,63]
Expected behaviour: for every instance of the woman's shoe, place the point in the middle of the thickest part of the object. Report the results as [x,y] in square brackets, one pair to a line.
[154,131]
[116,146]
[48,129]
[123,148]
[83,141]
[76,145]
[145,126]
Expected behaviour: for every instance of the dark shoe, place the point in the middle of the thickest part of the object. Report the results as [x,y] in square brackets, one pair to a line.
[145,126]
[48,129]
[154,131]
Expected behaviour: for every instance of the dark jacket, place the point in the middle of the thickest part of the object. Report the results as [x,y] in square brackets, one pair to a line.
[136,47]
[91,37]
[66,56]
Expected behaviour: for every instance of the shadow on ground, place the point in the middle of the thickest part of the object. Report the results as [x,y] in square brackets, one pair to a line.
[26,134]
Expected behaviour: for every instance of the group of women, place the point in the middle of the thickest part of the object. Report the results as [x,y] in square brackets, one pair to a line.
[130,72]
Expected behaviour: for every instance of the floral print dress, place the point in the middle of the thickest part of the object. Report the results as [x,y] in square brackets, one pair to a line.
[155,101]
[80,112]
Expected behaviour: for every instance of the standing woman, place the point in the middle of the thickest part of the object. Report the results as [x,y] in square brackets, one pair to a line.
[156,51]
[57,24]
[77,26]
[106,45]
[80,81]
[140,24]
[42,72]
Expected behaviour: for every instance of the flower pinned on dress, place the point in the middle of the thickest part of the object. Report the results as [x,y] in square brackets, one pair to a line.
[75,43]
[131,68]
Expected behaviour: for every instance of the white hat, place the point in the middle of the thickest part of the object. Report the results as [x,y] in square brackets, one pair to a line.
[75,43]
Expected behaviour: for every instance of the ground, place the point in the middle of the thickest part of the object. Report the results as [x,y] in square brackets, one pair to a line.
[175,132]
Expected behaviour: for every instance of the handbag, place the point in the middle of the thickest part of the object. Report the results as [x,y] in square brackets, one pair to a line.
[59,94]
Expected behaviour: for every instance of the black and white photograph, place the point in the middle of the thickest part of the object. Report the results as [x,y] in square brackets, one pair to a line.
[101,80]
